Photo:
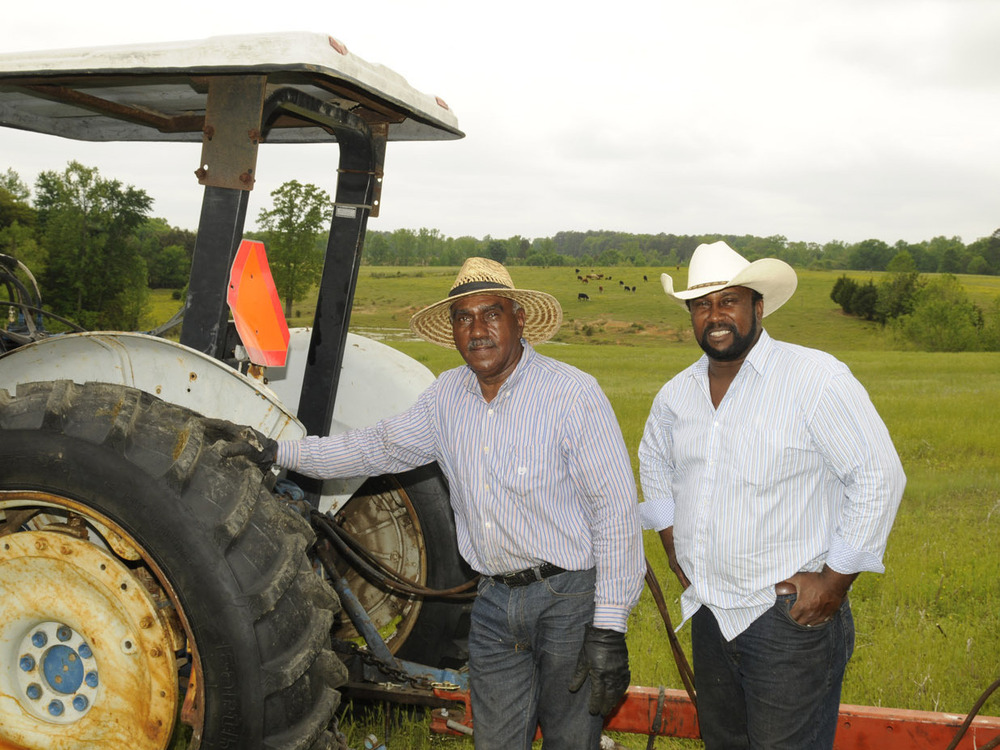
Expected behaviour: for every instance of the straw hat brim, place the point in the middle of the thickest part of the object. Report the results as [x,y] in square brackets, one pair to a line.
[774,279]
[542,316]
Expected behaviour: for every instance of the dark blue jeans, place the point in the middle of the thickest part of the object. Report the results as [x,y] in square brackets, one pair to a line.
[776,686]
[523,645]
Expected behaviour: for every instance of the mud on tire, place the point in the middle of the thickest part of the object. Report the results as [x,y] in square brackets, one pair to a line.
[119,516]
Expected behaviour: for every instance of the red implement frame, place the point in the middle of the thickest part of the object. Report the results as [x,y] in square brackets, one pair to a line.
[861,727]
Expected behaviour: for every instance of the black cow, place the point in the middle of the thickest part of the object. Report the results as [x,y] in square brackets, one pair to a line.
[582,296]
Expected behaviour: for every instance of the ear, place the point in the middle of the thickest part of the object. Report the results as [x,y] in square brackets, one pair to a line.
[520,320]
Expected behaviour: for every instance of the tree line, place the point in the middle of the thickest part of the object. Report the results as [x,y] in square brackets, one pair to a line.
[404,247]
[96,250]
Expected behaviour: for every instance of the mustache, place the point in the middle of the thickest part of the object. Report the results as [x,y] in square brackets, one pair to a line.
[480,344]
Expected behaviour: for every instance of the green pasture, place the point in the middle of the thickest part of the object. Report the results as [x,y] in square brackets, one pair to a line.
[928,630]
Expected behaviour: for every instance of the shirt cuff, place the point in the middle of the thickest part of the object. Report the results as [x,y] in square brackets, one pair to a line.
[610,617]
[842,558]
[288,454]
[656,515]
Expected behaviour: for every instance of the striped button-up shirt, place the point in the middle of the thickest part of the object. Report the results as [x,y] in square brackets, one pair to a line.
[793,470]
[538,474]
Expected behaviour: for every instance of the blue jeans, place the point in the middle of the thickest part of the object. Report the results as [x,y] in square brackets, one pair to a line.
[523,645]
[776,686]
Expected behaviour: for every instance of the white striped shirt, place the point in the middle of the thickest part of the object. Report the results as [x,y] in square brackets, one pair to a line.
[793,470]
[538,474]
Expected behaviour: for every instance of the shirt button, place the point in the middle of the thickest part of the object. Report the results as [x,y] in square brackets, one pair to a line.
[486,449]
[490,412]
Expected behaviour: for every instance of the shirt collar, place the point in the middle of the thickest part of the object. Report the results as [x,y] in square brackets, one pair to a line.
[758,357]
[527,357]
[761,352]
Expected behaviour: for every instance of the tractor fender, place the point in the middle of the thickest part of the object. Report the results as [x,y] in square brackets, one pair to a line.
[166,369]
[376,382]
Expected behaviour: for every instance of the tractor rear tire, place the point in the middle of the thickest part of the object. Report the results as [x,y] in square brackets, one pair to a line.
[164,573]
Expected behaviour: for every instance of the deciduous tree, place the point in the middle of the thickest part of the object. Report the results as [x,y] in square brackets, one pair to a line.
[292,229]
[95,274]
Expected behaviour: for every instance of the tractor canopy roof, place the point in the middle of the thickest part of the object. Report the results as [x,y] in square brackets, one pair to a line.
[161,92]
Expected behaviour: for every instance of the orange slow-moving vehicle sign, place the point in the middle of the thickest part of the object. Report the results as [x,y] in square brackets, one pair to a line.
[256,307]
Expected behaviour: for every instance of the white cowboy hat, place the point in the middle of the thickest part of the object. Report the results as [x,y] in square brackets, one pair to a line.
[542,313]
[717,266]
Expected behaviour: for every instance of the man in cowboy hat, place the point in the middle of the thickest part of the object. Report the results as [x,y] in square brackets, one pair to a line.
[773,483]
[545,509]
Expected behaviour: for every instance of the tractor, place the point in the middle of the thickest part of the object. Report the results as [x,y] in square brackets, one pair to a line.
[156,593]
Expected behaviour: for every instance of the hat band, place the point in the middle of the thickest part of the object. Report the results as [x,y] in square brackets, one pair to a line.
[475,286]
[707,283]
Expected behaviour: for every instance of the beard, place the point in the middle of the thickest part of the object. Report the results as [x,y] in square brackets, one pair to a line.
[737,348]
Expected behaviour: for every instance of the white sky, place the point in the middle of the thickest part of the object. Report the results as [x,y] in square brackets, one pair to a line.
[847,119]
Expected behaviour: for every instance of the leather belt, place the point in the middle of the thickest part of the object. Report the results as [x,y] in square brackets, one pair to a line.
[784,588]
[528,575]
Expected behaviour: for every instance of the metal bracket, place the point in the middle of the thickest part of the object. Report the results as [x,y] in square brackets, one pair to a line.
[232,131]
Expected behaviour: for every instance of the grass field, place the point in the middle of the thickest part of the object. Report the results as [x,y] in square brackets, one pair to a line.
[928,630]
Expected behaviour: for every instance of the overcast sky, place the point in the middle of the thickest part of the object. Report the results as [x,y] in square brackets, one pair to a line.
[841,120]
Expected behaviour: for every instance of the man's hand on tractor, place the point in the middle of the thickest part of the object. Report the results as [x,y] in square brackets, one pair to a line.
[604,658]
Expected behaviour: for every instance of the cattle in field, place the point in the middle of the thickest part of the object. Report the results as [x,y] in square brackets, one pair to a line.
[583,297]
[600,288]
[644,278]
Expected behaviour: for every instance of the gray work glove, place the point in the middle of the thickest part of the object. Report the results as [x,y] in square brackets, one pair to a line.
[243,441]
[604,658]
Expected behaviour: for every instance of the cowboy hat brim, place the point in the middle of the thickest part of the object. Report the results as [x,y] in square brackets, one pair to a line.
[542,316]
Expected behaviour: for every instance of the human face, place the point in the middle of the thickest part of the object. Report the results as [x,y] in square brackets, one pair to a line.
[726,322]
[487,334]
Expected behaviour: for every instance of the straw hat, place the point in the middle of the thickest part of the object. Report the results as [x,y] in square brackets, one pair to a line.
[717,266]
[542,314]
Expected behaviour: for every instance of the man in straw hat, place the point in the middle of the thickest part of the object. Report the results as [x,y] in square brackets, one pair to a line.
[545,509]
[773,483]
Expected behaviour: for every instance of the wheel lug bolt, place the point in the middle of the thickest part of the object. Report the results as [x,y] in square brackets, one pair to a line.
[27,663]
[39,639]
[84,651]
[64,634]
[91,679]
[56,708]
[80,703]
[34,691]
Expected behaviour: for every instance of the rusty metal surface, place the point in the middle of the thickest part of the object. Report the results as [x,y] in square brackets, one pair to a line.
[232,132]
[48,581]
[871,727]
